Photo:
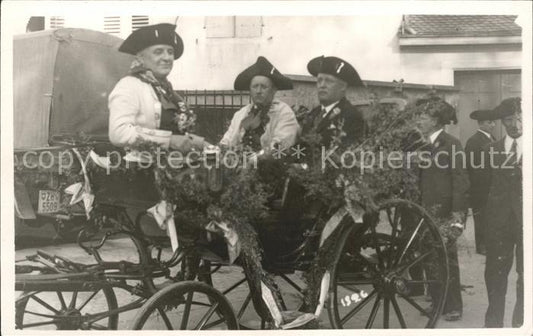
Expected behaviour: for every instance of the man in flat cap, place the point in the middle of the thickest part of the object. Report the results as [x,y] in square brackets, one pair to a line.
[504,216]
[478,177]
[335,119]
[267,121]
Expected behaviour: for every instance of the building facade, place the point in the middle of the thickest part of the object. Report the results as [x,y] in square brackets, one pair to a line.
[477,58]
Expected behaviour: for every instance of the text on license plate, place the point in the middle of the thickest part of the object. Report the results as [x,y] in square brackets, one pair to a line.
[48,201]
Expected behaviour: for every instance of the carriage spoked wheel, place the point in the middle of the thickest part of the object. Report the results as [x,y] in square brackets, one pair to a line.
[186,305]
[390,273]
[83,309]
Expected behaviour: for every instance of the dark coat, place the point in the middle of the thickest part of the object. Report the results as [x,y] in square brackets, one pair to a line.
[444,188]
[479,179]
[349,116]
[504,199]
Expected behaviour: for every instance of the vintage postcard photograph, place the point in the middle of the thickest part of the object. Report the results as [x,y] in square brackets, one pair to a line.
[284,167]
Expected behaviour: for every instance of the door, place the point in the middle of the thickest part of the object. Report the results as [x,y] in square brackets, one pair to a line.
[483,90]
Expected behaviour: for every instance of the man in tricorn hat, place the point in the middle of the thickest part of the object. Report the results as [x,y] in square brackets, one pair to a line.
[263,125]
[143,104]
[504,216]
[478,178]
[335,119]
[265,122]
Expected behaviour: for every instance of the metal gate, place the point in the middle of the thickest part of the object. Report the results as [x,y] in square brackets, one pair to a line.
[214,110]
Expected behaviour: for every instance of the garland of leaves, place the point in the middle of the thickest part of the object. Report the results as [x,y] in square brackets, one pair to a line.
[390,130]
[242,201]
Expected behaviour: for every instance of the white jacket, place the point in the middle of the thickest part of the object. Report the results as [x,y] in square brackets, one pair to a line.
[135,112]
[282,128]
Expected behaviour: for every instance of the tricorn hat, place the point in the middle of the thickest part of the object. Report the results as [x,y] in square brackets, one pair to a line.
[481,115]
[144,37]
[334,66]
[508,107]
[262,67]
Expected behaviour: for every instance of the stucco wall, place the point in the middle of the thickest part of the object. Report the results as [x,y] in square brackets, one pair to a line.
[369,43]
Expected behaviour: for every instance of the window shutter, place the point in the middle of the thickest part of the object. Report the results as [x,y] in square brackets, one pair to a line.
[112,25]
[57,22]
[138,21]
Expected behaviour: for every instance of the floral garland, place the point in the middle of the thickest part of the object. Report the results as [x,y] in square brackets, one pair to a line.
[391,130]
[242,201]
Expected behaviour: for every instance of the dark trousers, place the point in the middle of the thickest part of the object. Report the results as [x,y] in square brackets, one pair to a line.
[501,249]
[454,300]
[479,227]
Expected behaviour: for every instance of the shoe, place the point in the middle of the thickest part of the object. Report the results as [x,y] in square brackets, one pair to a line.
[453,316]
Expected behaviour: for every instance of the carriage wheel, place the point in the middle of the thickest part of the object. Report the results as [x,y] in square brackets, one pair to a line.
[186,305]
[382,271]
[66,310]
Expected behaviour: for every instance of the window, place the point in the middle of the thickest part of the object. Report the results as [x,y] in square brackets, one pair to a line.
[233,26]
[35,23]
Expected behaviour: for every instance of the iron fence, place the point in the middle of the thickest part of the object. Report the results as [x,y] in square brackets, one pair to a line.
[214,110]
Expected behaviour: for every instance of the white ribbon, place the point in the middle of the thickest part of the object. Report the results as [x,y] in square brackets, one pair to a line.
[101,161]
[230,236]
[163,213]
[267,296]
[307,317]
[82,192]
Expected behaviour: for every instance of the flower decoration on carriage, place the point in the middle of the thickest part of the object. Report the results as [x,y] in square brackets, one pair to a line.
[184,118]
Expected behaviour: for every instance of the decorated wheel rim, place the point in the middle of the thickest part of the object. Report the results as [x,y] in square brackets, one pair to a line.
[390,273]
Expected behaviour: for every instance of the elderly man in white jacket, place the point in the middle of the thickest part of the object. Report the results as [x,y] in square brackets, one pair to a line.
[266,121]
[143,104]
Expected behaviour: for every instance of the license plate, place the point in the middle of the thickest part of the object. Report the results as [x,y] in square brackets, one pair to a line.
[48,201]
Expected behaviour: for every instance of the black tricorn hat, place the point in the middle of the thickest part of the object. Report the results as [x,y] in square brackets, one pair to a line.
[262,67]
[481,115]
[144,37]
[335,66]
[508,107]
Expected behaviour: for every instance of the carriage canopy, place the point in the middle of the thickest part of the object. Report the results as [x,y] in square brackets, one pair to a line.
[62,79]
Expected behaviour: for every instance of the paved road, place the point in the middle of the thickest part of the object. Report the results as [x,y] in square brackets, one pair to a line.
[472,267]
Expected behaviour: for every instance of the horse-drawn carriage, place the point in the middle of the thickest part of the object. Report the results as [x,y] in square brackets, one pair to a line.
[375,255]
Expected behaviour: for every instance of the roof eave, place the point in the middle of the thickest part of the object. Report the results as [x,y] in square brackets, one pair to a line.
[457,40]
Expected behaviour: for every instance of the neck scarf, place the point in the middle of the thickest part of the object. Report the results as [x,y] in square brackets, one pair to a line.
[254,125]
[175,115]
